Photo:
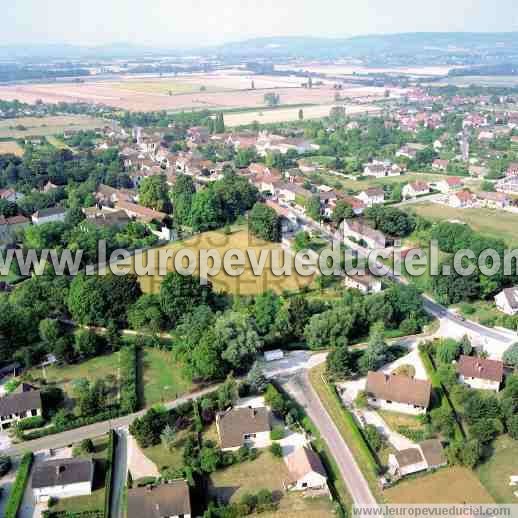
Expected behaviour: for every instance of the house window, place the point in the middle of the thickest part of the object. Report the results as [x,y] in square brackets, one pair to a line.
[249,436]
[34,413]
[389,402]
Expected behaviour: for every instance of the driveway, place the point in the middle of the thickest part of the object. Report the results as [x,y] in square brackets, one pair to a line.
[292,363]
[138,464]
[120,473]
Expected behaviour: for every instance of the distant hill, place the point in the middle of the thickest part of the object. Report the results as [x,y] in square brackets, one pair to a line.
[387,49]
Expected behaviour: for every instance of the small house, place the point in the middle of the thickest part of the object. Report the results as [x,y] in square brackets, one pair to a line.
[372,196]
[24,402]
[426,455]
[169,500]
[480,373]
[414,189]
[364,283]
[306,470]
[51,215]
[507,301]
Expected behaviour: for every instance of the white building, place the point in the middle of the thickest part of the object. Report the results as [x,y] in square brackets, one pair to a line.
[414,189]
[450,183]
[276,354]
[507,301]
[398,393]
[247,426]
[480,373]
[51,215]
[372,196]
[462,200]
[364,283]
[306,470]
[62,478]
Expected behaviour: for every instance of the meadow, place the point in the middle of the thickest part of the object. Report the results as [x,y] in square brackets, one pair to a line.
[44,126]
[12,147]
[245,284]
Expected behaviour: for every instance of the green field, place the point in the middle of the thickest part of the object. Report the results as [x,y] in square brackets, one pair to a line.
[493,223]
[495,472]
[162,377]
[44,126]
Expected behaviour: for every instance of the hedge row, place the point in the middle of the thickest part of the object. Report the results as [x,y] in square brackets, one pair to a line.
[129,402]
[441,392]
[70,514]
[16,495]
[30,422]
[110,461]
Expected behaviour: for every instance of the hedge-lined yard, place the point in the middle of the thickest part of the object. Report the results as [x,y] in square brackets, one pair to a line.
[18,489]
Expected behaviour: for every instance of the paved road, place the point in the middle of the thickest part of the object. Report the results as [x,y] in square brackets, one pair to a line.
[63,439]
[120,474]
[301,390]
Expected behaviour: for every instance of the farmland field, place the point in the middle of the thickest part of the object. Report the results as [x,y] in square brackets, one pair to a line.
[43,126]
[495,81]
[228,91]
[454,485]
[291,114]
[11,147]
[494,223]
[246,284]
[345,69]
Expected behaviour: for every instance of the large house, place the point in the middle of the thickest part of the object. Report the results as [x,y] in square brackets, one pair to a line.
[53,214]
[425,456]
[462,200]
[244,427]
[361,232]
[170,500]
[62,478]
[24,402]
[480,373]
[507,300]
[9,227]
[398,393]
[414,189]
[450,183]
[306,470]
[493,200]
[372,196]
[440,165]
[381,169]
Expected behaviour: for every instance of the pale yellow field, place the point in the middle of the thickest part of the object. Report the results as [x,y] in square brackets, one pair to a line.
[11,147]
[291,114]
[245,284]
[44,126]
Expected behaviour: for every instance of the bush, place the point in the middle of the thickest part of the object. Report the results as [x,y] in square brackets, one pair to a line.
[87,446]
[277,433]
[373,437]
[30,422]
[276,449]
[18,489]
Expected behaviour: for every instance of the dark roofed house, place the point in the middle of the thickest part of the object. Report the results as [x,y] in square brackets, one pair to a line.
[358,229]
[170,500]
[480,373]
[425,456]
[244,426]
[398,393]
[24,402]
[62,478]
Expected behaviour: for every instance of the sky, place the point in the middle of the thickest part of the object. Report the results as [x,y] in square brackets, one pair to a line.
[188,23]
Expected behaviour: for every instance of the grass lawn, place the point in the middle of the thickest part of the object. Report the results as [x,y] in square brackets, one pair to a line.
[495,472]
[482,311]
[265,472]
[245,284]
[162,457]
[341,419]
[454,485]
[95,501]
[395,420]
[493,223]
[102,367]
[162,377]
